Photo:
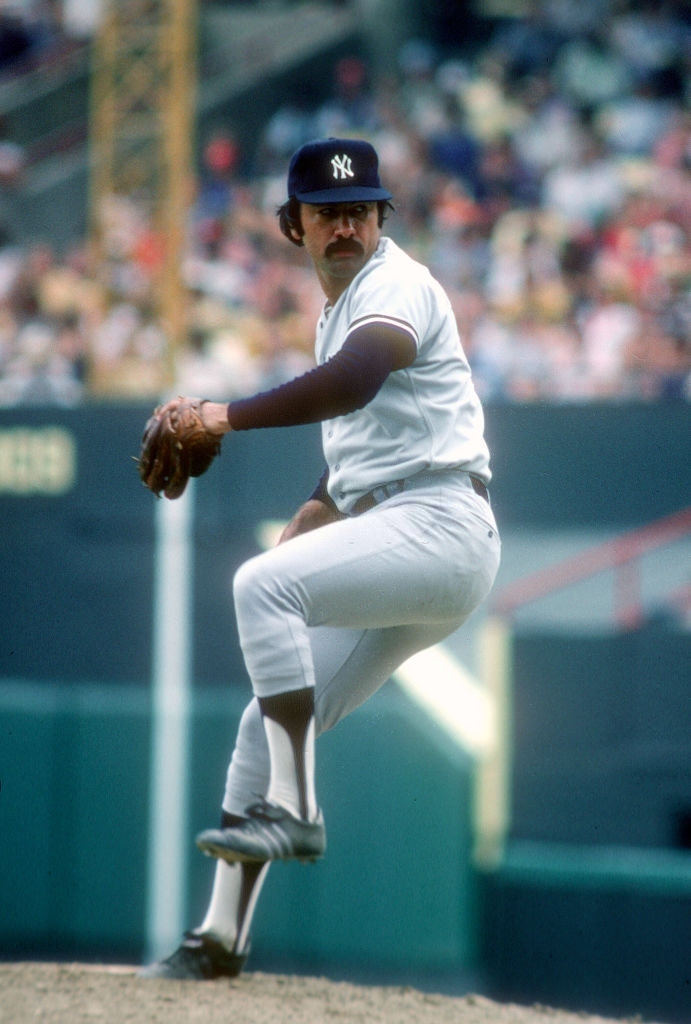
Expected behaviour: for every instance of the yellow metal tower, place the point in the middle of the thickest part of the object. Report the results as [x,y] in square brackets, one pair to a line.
[143,82]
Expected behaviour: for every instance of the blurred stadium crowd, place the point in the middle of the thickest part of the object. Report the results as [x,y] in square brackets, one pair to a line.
[545,179]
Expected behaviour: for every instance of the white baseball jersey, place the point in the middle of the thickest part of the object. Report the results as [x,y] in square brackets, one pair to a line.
[426,416]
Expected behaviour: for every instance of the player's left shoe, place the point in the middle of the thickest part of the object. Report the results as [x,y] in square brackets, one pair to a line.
[198,958]
[269,832]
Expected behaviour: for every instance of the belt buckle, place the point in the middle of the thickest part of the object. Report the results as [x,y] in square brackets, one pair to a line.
[378,494]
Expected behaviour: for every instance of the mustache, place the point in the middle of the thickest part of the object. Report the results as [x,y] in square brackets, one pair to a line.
[347,245]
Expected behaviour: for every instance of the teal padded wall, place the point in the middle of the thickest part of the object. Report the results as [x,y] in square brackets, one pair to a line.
[395,889]
[590,907]
[75,665]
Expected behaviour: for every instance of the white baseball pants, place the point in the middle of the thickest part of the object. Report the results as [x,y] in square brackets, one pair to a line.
[342,607]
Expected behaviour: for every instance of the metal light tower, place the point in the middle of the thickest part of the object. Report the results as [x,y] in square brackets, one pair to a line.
[143,83]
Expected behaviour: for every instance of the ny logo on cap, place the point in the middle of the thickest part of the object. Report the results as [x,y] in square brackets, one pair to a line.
[342,167]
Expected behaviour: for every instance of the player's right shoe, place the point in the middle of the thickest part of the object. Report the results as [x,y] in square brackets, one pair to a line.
[198,958]
[269,832]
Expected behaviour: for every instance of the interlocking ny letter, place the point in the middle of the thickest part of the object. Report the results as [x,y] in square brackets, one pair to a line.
[342,166]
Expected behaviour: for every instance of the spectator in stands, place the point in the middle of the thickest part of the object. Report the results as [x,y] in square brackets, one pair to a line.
[587,188]
[352,109]
[550,196]
[589,72]
[216,189]
[38,371]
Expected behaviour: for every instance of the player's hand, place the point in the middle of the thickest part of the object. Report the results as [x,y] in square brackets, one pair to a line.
[310,516]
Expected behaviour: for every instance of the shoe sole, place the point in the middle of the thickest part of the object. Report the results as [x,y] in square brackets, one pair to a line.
[212,849]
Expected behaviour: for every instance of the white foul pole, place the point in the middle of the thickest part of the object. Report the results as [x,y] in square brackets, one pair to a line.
[171,700]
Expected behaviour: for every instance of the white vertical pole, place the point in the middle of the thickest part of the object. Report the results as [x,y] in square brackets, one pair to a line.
[492,810]
[171,698]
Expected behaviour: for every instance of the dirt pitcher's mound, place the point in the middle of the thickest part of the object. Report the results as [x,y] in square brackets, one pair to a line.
[81,994]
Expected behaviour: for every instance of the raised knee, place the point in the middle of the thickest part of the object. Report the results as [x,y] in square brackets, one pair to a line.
[246,580]
[261,583]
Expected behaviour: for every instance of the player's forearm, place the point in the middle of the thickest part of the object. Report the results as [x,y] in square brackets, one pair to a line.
[348,381]
[319,394]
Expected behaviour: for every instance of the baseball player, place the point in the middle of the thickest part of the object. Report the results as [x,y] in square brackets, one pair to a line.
[389,555]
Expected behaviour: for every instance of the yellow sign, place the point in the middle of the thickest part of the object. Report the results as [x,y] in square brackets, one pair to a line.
[37,460]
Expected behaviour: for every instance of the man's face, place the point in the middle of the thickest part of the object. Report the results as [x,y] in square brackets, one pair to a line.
[340,238]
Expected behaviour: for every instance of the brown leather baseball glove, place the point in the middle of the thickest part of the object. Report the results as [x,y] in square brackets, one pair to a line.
[176,446]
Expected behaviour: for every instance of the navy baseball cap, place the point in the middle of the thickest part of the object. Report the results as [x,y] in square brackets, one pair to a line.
[335,171]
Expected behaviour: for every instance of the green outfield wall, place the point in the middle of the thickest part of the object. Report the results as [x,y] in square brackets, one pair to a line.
[591,903]
[397,894]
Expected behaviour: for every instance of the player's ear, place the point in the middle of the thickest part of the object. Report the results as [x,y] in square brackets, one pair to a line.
[289,221]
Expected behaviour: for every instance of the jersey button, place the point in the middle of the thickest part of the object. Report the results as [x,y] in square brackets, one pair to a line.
[337,466]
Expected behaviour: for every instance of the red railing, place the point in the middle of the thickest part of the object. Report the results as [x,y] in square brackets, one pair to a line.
[622,555]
